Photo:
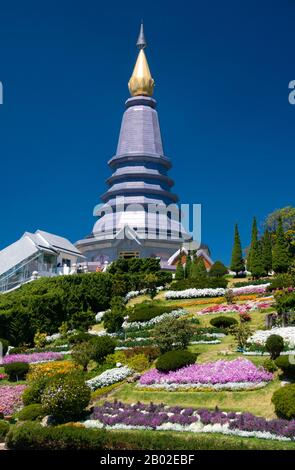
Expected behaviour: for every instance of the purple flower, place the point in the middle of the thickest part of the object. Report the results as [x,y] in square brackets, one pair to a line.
[219,372]
[34,357]
[10,398]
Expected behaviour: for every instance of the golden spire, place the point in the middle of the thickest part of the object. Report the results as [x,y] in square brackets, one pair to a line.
[141,81]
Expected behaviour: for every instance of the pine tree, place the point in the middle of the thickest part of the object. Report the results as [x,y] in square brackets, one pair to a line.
[198,269]
[257,265]
[237,262]
[267,252]
[281,258]
[254,238]
[188,266]
[179,273]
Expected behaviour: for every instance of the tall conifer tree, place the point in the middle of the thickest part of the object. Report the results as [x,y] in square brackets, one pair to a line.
[198,269]
[179,273]
[254,238]
[267,252]
[257,265]
[281,258]
[237,262]
[188,266]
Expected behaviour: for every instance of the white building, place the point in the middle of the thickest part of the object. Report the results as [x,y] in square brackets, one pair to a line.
[35,255]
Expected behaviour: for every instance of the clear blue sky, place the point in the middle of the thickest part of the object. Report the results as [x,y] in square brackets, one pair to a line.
[222,70]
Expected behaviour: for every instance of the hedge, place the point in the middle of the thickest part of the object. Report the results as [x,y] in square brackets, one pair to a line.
[32,436]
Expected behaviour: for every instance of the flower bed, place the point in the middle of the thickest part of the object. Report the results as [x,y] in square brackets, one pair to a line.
[109,377]
[3,376]
[117,415]
[193,293]
[136,325]
[10,398]
[287,333]
[234,308]
[35,357]
[49,369]
[239,374]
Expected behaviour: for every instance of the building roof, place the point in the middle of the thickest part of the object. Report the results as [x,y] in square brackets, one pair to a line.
[15,253]
[32,243]
[202,251]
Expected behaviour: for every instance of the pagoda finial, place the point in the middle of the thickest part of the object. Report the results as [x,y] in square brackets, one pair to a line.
[141,42]
[141,81]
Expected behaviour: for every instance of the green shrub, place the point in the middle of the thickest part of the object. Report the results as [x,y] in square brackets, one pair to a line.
[18,350]
[5,345]
[284,401]
[173,360]
[31,412]
[285,301]
[102,347]
[223,322]
[270,365]
[151,352]
[33,393]
[173,334]
[4,428]
[135,265]
[82,354]
[31,435]
[40,339]
[16,370]
[113,318]
[79,337]
[241,332]
[82,321]
[218,269]
[66,397]
[280,281]
[274,345]
[147,310]
[285,365]
[139,363]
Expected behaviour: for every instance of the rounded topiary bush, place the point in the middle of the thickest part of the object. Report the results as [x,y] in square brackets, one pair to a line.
[16,370]
[5,345]
[286,366]
[270,365]
[284,402]
[223,322]
[173,360]
[66,397]
[31,412]
[274,345]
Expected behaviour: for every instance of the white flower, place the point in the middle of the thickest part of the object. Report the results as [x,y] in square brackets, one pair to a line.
[146,324]
[287,333]
[109,377]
